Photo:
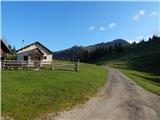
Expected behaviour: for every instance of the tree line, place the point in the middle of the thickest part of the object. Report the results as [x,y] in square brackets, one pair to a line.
[87,56]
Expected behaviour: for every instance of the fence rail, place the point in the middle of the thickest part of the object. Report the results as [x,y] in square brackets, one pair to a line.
[18,64]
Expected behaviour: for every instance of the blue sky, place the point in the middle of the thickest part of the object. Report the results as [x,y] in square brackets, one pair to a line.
[60,25]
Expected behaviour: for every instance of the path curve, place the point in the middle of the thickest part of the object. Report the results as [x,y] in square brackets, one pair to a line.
[121,99]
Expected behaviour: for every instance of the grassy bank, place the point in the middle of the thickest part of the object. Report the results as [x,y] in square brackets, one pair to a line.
[146,80]
[30,94]
[144,70]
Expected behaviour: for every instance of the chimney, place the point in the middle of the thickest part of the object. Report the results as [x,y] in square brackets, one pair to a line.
[22,43]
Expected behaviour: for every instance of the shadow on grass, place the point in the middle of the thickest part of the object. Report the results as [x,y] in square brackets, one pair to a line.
[155,80]
[149,63]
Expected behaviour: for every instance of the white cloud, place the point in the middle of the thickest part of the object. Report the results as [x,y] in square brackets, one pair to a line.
[154,14]
[140,14]
[102,28]
[91,28]
[139,37]
[131,41]
[112,25]
[149,36]
[136,17]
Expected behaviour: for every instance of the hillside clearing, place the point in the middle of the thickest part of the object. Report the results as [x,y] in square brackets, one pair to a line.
[31,94]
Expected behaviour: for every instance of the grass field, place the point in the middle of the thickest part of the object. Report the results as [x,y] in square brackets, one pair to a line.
[144,70]
[30,94]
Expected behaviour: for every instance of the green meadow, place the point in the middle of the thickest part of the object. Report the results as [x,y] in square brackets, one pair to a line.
[30,94]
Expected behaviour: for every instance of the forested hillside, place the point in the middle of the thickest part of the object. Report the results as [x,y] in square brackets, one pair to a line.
[89,52]
[152,45]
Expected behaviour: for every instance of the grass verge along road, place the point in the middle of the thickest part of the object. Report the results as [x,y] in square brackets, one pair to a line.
[144,70]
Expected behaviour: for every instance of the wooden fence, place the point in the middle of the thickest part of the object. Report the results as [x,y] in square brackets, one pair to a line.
[21,65]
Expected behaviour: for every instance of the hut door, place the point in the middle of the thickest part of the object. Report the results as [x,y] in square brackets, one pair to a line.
[37,62]
[37,58]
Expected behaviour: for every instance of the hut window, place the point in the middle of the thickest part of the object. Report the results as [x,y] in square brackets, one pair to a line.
[44,57]
[25,58]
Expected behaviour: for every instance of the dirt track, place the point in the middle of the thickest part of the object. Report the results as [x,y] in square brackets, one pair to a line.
[121,99]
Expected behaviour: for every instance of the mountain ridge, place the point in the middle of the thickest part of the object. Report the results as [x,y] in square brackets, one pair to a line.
[73,52]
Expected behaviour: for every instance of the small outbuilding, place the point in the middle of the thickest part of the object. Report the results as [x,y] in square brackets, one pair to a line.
[4,50]
[35,52]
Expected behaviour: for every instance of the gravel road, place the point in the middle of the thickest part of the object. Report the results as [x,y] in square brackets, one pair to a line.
[121,99]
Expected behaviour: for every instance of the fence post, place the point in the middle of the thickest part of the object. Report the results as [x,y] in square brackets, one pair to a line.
[77,65]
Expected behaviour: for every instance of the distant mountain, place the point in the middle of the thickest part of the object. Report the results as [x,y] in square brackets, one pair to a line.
[68,54]
[124,43]
[73,52]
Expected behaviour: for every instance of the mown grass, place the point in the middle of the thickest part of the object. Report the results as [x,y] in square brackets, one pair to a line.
[144,70]
[28,95]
